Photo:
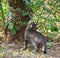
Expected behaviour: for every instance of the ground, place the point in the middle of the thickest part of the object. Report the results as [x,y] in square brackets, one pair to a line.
[15,51]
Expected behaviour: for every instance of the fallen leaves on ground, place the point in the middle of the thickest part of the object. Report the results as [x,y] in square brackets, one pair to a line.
[11,52]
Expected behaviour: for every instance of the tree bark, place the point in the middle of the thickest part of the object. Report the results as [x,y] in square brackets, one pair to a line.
[14,4]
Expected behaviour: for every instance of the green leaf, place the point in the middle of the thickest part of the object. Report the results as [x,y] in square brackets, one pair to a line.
[38,3]
[54,28]
[26,2]
[13,31]
[48,25]
[50,4]
[24,13]
[16,28]
[1,24]
[0,7]
[49,44]
[47,10]
[0,18]
[52,19]
[58,18]
[10,25]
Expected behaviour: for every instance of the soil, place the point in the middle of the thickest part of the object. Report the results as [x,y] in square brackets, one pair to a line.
[15,51]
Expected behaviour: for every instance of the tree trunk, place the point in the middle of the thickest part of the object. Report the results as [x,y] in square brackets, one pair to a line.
[18,4]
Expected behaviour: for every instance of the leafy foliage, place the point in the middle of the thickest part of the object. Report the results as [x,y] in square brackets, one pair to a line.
[49,44]
[46,13]
[3,12]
